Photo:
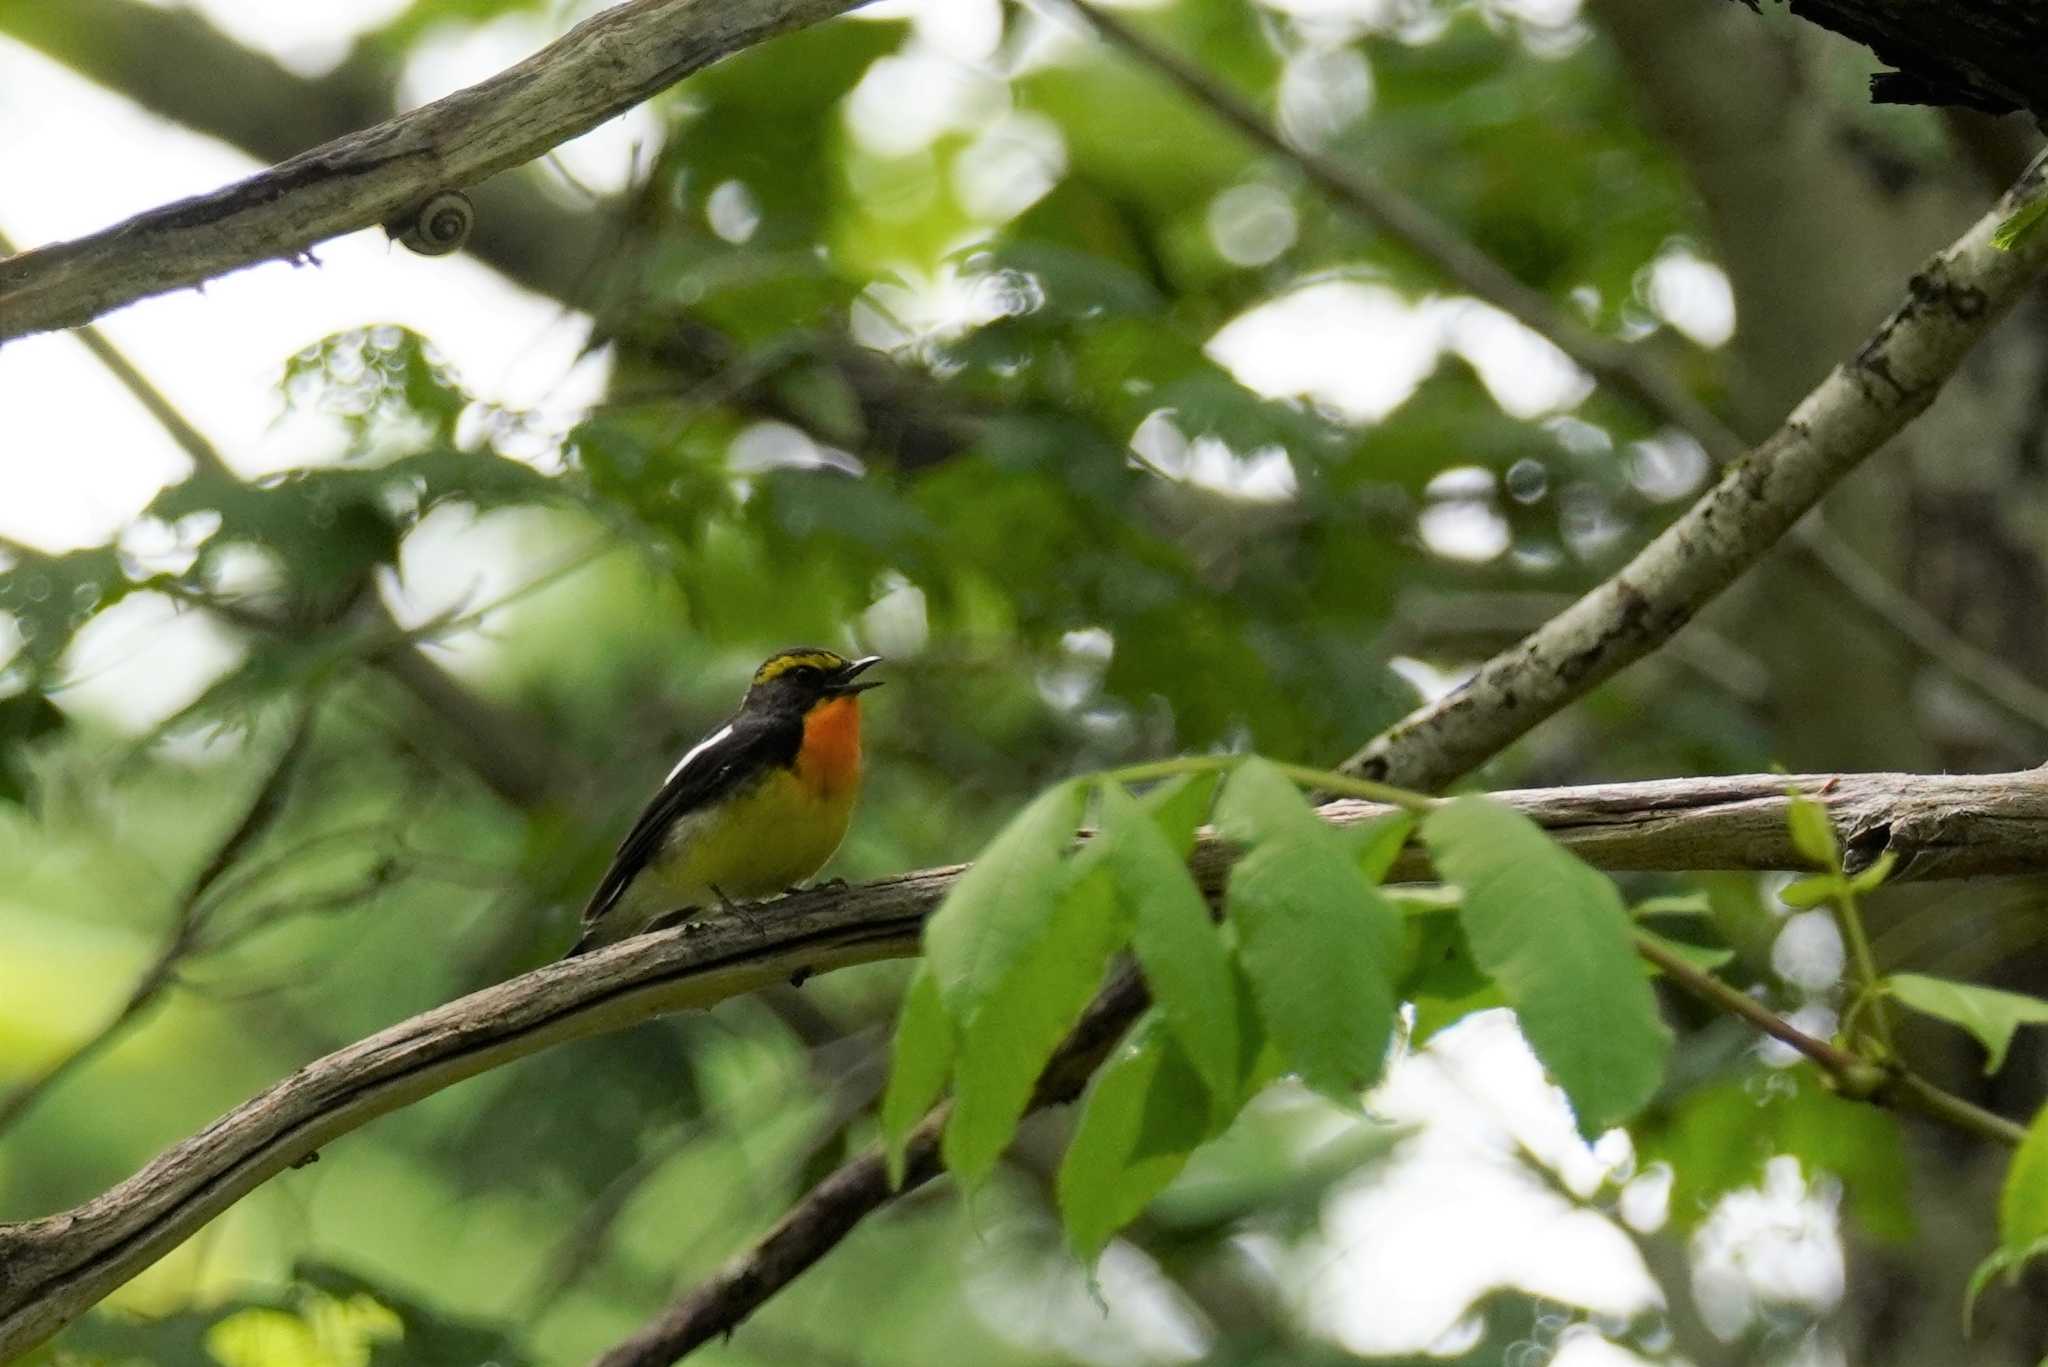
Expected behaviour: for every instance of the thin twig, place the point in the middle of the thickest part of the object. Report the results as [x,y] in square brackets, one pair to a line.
[1856,1077]
[166,414]
[182,937]
[825,1216]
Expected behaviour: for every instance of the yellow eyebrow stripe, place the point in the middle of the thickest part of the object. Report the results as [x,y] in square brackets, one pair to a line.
[777,666]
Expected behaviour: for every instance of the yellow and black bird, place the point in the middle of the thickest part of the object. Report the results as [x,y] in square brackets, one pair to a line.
[755,807]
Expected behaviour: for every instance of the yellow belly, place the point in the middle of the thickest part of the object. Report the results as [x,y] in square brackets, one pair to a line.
[771,836]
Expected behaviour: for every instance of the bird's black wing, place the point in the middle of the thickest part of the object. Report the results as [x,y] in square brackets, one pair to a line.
[717,765]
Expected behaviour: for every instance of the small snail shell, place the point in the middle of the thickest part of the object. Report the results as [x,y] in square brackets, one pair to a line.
[440,225]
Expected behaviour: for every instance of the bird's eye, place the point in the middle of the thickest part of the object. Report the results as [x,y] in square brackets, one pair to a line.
[806,674]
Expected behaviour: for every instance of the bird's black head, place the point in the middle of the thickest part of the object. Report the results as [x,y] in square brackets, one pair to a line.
[798,678]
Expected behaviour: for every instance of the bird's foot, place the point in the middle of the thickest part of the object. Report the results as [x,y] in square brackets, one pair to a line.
[739,909]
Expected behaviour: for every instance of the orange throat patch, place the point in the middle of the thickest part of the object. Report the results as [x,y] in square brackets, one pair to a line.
[829,763]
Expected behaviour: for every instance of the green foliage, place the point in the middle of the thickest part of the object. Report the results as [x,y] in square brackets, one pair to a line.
[2023,223]
[327,1317]
[1298,979]
[1143,1114]
[2022,1216]
[920,1060]
[1317,941]
[25,719]
[1007,1036]
[997,912]
[1185,961]
[1718,1137]
[1554,934]
[1813,834]
[1989,1014]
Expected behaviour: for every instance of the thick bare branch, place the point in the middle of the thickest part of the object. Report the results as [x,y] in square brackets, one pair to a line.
[600,68]
[1867,400]
[53,1269]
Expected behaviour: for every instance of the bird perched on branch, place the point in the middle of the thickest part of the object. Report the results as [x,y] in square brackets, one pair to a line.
[754,808]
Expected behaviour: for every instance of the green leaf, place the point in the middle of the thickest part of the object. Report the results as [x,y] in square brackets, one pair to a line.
[2023,1204]
[1554,934]
[2022,224]
[1260,803]
[1814,890]
[1319,945]
[1675,904]
[1874,876]
[2022,1216]
[998,909]
[1378,843]
[1999,1260]
[920,1057]
[1017,1026]
[1706,958]
[1178,806]
[25,719]
[1986,1012]
[1177,944]
[1443,983]
[1144,1113]
[1720,1137]
[1813,835]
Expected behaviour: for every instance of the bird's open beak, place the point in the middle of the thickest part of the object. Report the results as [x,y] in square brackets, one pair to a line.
[843,683]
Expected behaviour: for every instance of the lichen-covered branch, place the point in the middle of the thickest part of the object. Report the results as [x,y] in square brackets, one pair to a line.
[1863,403]
[597,70]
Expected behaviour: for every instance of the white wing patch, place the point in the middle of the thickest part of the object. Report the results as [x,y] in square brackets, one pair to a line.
[699,748]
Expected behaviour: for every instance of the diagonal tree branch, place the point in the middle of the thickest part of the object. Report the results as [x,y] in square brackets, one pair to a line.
[183,936]
[1621,368]
[53,1269]
[833,1207]
[1862,404]
[600,68]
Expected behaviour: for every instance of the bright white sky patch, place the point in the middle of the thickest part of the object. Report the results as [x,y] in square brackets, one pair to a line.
[1693,295]
[1251,224]
[1014,162]
[1264,475]
[1525,372]
[1357,349]
[310,39]
[1457,1211]
[1460,520]
[906,100]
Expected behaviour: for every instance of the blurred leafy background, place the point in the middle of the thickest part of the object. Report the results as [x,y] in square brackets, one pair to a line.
[955,334]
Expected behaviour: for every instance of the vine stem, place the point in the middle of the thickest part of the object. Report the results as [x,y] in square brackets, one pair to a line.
[1863,964]
[1854,1076]
[1326,780]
